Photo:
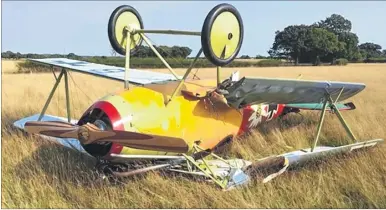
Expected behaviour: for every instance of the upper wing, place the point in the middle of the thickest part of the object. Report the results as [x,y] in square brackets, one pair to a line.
[140,77]
[287,91]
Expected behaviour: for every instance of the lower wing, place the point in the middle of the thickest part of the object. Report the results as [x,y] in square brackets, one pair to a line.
[319,106]
[248,91]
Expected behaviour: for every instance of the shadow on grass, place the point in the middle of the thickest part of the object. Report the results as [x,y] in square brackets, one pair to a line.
[308,119]
[65,169]
[60,164]
[7,126]
[289,121]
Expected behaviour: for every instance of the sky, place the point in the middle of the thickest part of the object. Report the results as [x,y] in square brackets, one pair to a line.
[80,27]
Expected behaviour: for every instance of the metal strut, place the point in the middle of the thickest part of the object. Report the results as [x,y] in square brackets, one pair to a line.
[178,88]
[127,59]
[130,31]
[63,72]
[332,104]
[222,182]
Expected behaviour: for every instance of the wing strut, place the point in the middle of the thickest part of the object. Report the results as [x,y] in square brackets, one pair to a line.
[65,73]
[332,104]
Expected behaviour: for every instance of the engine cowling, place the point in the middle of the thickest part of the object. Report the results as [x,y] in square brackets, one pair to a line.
[104,115]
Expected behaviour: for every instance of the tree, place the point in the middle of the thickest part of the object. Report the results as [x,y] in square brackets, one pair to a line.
[165,51]
[341,27]
[321,42]
[18,55]
[370,50]
[71,55]
[260,57]
[8,54]
[336,24]
[5,54]
[290,42]
[384,52]
[245,57]
[185,51]
[347,47]
[370,46]
[142,52]
[176,52]
[351,41]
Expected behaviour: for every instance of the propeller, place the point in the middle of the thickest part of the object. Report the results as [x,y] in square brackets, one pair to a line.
[89,133]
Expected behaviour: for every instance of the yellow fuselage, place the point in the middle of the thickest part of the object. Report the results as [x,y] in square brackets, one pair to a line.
[144,110]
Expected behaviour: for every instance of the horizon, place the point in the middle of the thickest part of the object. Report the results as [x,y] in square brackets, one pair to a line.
[64,30]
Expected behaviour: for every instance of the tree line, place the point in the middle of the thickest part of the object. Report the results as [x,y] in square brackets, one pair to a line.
[323,41]
[140,52]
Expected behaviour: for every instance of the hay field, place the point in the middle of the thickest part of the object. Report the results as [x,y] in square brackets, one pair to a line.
[40,174]
[9,66]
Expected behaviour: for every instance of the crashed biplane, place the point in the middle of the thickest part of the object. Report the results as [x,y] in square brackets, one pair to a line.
[176,123]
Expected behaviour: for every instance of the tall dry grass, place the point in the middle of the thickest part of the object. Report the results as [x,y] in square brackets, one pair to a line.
[9,66]
[40,174]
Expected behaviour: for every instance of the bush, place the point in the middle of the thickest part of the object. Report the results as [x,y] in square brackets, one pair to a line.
[375,60]
[245,57]
[357,61]
[261,57]
[28,66]
[340,62]
[270,63]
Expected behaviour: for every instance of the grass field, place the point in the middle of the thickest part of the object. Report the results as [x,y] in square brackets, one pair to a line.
[9,66]
[40,174]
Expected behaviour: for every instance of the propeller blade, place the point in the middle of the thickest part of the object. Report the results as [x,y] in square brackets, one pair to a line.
[89,133]
[138,140]
[52,128]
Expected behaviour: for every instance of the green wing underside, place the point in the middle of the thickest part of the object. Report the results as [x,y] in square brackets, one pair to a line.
[319,106]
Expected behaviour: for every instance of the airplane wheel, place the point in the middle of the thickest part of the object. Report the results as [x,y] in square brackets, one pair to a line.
[120,18]
[222,34]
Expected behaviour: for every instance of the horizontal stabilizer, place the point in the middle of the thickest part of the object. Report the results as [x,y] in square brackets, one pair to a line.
[140,77]
[67,142]
[248,91]
[319,106]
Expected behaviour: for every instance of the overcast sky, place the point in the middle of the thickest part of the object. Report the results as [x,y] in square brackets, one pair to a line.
[81,27]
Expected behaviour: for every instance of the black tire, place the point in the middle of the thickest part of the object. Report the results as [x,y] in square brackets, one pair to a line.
[111,27]
[206,30]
